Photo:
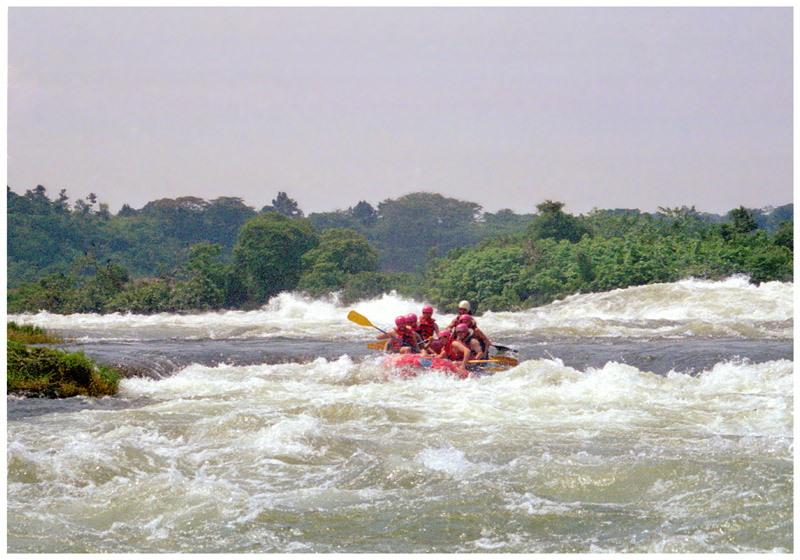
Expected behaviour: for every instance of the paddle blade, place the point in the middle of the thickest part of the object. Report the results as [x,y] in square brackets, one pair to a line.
[500,360]
[359,319]
[376,345]
[505,360]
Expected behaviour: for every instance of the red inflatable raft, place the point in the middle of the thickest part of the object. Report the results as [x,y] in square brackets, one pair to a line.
[406,362]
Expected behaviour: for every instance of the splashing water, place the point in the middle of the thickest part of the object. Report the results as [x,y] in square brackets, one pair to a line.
[336,454]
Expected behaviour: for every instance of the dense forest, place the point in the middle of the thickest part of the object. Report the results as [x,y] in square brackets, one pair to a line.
[190,254]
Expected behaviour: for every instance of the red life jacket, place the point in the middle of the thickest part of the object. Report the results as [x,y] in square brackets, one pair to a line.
[406,336]
[426,327]
[448,347]
[453,354]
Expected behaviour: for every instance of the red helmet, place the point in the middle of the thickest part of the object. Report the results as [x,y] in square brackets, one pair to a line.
[427,309]
[436,345]
[445,334]
[466,319]
[399,320]
[461,327]
[411,318]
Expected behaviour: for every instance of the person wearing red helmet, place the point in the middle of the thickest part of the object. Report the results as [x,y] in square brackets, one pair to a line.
[402,338]
[477,339]
[427,324]
[454,349]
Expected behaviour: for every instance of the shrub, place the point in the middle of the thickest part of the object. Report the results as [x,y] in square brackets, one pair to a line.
[47,372]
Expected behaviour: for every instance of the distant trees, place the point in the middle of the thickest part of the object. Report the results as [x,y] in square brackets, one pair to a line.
[267,258]
[553,223]
[743,221]
[284,205]
[562,255]
[343,261]
[45,236]
[192,254]
[412,225]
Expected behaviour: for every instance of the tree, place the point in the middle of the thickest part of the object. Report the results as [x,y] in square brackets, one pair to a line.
[743,221]
[552,222]
[411,225]
[126,211]
[337,219]
[39,194]
[284,205]
[345,249]
[340,255]
[486,276]
[62,204]
[784,237]
[683,220]
[505,222]
[364,212]
[223,217]
[267,256]
[82,207]
[181,217]
[204,284]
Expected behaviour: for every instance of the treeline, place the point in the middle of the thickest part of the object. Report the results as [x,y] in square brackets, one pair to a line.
[273,253]
[190,254]
[561,254]
[50,236]
[47,235]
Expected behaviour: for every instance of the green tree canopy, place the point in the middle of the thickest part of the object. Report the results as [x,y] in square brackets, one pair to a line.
[284,205]
[413,224]
[552,222]
[743,221]
[267,256]
[345,250]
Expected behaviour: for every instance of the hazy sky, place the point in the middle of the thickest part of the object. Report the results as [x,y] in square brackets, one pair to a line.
[597,108]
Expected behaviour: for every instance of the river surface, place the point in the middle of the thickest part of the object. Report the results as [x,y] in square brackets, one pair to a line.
[651,419]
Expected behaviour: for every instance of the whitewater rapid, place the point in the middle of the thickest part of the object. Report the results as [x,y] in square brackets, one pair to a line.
[653,419]
[732,307]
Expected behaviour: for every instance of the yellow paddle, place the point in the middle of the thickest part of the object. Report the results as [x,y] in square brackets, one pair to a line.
[497,360]
[359,319]
[504,360]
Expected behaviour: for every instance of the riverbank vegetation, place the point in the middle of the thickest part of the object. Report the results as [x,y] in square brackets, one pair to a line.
[28,334]
[189,254]
[47,372]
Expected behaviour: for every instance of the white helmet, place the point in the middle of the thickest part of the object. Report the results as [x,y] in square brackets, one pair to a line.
[463,304]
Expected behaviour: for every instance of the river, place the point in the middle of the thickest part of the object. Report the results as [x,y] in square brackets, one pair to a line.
[651,419]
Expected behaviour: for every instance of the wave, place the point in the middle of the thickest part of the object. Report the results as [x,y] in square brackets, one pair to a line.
[727,308]
[731,398]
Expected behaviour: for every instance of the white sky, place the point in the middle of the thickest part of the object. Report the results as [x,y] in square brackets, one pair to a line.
[605,108]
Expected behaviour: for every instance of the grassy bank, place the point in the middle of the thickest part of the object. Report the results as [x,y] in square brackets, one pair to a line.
[28,334]
[46,372]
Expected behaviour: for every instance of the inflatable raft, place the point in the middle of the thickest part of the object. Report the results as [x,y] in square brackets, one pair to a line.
[406,364]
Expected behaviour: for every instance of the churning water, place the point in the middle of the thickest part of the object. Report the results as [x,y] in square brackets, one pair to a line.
[651,419]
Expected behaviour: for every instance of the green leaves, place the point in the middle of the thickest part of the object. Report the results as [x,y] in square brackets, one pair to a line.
[343,260]
[624,248]
[267,256]
[553,223]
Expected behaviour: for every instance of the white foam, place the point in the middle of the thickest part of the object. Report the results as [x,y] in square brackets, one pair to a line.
[722,308]
[448,460]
